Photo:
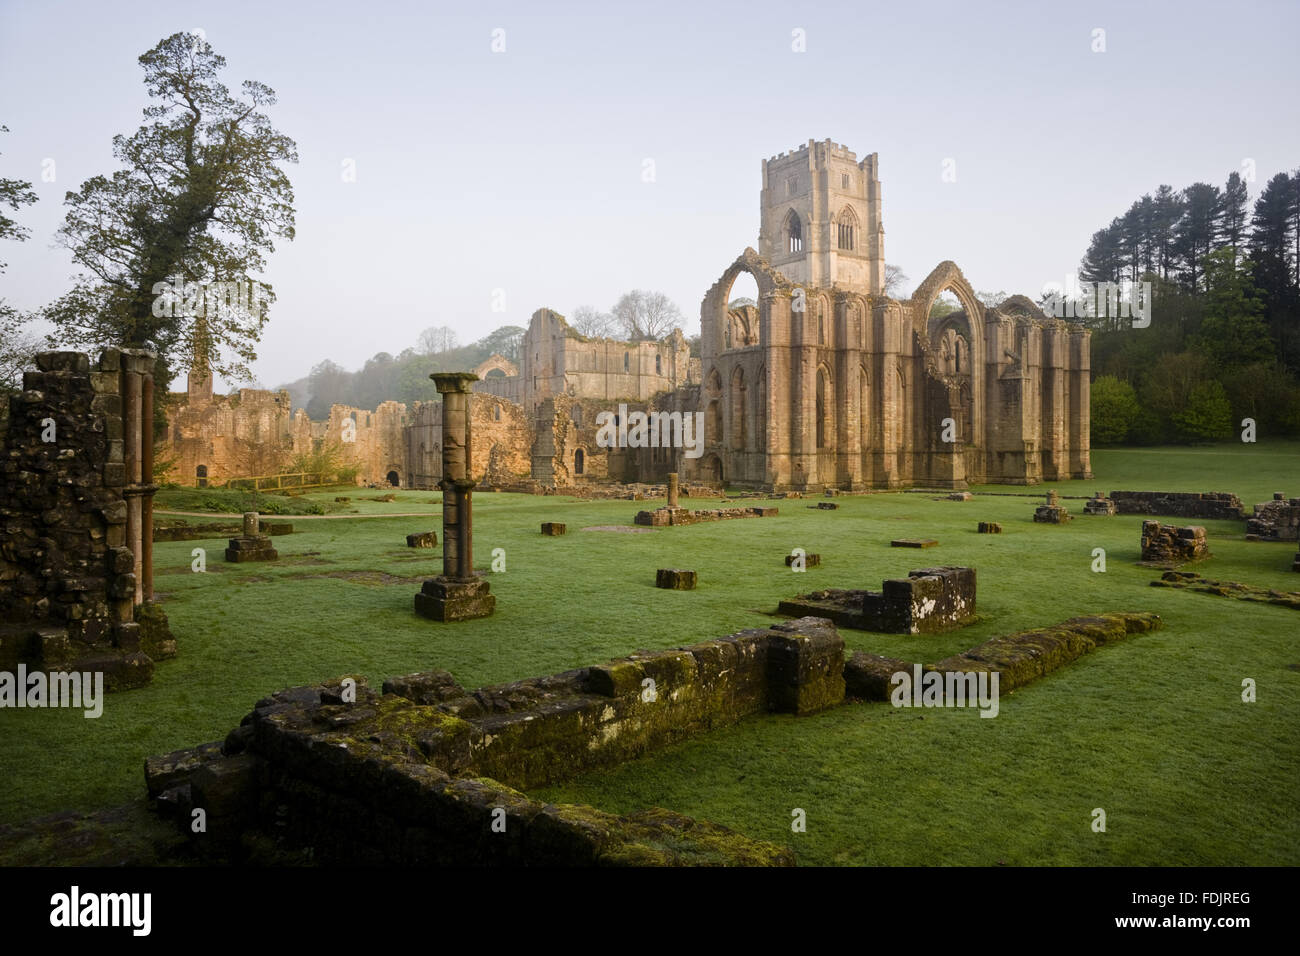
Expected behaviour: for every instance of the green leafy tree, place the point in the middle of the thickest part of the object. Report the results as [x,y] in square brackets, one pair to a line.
[17,345]
[1233,332]
[1114,409]
[1207,416]
[505,341]
[201,195]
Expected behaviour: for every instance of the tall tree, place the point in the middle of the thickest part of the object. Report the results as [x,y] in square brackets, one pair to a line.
[1235,217]
[1168,210]
[200,196]
[1104,260]
[505,341]
[1233,332]
[1272,238]
[895,281]
[591,322]
[435,340]
[17,345]
[1198,230]
[646,315]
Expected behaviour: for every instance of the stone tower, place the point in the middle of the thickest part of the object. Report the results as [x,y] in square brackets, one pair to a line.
[199,380]
[821,222]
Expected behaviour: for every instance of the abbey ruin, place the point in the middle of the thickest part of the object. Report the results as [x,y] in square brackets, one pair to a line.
[826,383]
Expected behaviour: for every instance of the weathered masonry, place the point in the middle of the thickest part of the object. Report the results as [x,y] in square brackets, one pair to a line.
[426,772]
[829,383]
[927,601]
[826,382]
[76,499]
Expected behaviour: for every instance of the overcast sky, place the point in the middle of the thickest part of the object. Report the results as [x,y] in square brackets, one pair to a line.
[523,170]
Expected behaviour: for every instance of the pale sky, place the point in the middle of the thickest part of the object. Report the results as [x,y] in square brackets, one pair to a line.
[522,170]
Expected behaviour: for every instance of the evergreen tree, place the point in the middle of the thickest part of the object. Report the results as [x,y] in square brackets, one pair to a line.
[1167,212]
[1104,260]
[1272,240]
[1234,332]
[1198,230]
[1235,217]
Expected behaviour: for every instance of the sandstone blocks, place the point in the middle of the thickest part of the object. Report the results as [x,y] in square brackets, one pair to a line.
[1052,511]
[1099,504]
[1166,545]
[675,579]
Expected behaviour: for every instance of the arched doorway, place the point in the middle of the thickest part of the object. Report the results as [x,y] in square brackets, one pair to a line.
[394,479]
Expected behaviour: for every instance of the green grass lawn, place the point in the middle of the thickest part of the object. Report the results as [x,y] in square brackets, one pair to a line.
[1152,730]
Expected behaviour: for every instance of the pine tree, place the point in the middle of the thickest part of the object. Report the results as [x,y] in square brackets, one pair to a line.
[1235,217]
[1168,212]
[1198,230]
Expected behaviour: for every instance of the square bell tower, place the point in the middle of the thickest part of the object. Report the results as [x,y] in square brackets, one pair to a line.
[821,222]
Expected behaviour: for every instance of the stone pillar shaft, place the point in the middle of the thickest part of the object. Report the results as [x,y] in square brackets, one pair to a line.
[456,595]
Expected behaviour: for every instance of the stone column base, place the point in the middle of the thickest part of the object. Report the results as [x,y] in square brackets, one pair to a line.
[255,547]
[447,599]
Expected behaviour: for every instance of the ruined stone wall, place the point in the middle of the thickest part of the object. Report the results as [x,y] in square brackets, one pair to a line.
[559,361]
[377,444]
[501,453]
[72,487]
[927,601]
[1179,504]
[1166,545]
[253,433]
[229,436]
[415,775]
[1276,520]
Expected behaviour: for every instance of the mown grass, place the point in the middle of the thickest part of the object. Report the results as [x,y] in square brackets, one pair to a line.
[1152,730]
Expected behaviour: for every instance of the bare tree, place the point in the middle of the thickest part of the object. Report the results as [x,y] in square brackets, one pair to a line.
[644,315]
[992,299]
[895,281]
[593,323]
[435,340]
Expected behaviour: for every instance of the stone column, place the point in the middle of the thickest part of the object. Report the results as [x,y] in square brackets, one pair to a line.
[672,489]
[147,487]
[456,594]
[136,371]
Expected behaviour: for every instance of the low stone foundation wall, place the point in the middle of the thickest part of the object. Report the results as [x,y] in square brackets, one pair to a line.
[1179,504]
[198,532]
[418,773]
[663,517]
[1229,589]
[1017,658]
[927,601]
